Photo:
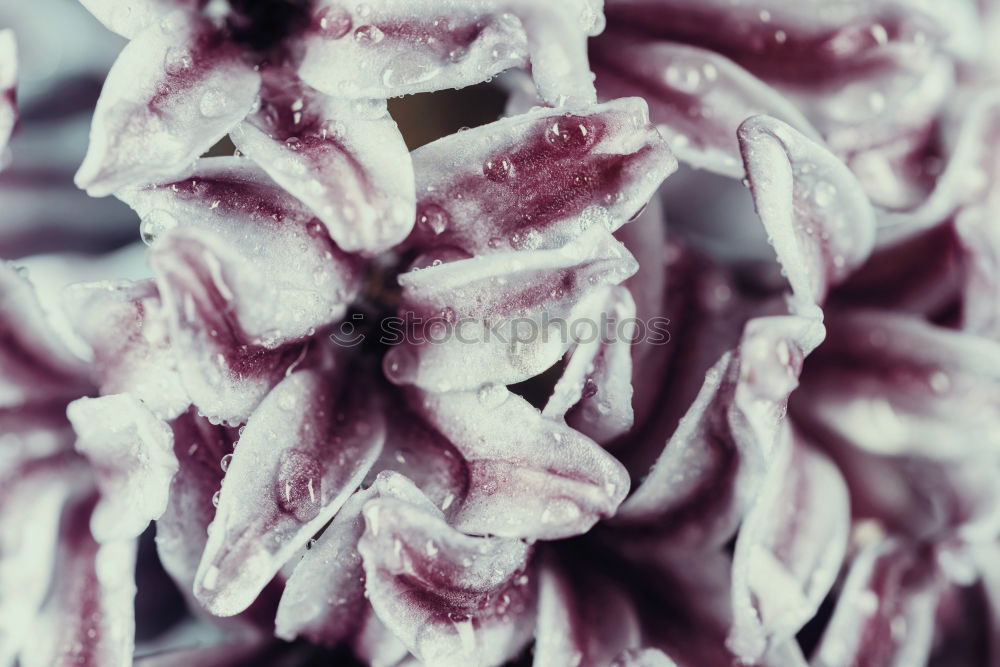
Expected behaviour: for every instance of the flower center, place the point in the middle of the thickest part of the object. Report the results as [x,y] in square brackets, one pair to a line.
[263,25]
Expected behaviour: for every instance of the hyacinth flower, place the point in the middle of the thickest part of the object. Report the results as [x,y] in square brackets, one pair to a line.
[801,472]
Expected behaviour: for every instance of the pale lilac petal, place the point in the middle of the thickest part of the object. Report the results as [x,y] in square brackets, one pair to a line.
[885,613]
[303,452]
[35,366]
[89,617]
[8,89]
[385,49]
[132,454]
[697,98]
[594,393]
[174,91]
[285,277]
[376,645]
[537,179]
[817,217]
[501,318]
[451,598]
[712,466]
[34,493]
[584,619]
[789,550]
[345,160]
[980,243]
[124,325]
[129,19]
[540,480]
[225,371]
[324,599]
[894,384]
[201,450]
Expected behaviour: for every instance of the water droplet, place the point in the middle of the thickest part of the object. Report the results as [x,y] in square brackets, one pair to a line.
[823,193]
[214,103]
[334,22]
[298,484]
[155,224]
[224,463]
[497,169]
[434,218]
[215,498]
[570,133]
[398,365]
[176,60]
[589,388]
[493,395]
[458,54]
[683,77]
[409,69]
[368,34]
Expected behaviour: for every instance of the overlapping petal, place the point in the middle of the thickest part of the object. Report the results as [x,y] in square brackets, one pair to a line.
[537,179]
[174,91]
[129,20]
[818,218]
[138,358]
[346,160]
[303,452]
[387,48]
[541,480]
[451,598]
[8,88]
[500,318]
[132,455]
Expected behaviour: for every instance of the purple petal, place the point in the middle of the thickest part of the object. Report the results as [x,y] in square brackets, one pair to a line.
[501,318]
[303,452]
[584,618]
[346,161]
[89,617]
[132,454]
[697,98]
[174,91]
[885,612]
[789,550]
[541,480]
[451,598]
[138,358]
[386,49]
[893,384]
[226,371]
[594,393]
[324,600]
[8,89]
[817,216]
[536,179]
[181,532]
[711,467]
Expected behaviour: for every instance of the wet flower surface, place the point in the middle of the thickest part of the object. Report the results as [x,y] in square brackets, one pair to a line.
[688,357]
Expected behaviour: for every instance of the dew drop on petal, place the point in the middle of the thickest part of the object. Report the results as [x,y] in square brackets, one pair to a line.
[297,484]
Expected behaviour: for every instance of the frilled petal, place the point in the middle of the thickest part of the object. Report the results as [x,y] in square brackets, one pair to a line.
[137,357]
[303,452]
[711,468]
[451,598]
[324,599]
[501,318]
[128,20]
[789,550]
[34,493]
[537,179]
[584,618]
[203,452]
[385,49]
[697,97]
[885,613]
[817,217]
[529,476]
[346,160]
[8,88]
[174,91]
[594,393]
[88,618]
[132,454]
[895,384]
